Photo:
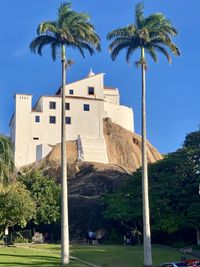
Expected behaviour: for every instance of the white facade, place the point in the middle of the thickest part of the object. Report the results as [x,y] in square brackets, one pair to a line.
[34,131]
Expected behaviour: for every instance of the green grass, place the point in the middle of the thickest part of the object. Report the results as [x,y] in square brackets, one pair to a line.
[104,256]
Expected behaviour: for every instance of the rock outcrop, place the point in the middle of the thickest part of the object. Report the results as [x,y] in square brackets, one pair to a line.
[87,181]
[123,149]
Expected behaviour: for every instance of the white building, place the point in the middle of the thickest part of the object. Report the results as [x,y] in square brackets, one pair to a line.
[35,130]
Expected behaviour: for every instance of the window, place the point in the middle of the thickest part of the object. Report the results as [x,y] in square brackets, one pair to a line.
[71,92]
[68,120]
[67,106]
[86,107]
[52,105]
[52,119]
[37,118]
[90,90]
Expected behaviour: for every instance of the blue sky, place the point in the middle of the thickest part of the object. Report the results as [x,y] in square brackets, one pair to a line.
[172,91]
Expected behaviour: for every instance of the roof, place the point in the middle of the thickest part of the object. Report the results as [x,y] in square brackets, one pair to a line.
[59,90]
[44,96]
[69,96]
[23,94]
[109,88]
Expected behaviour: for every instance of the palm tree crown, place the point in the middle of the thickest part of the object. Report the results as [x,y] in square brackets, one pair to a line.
[71,29]
[153,33]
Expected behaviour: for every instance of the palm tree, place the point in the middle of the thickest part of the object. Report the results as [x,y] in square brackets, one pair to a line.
[151,34]
[6,160]
[71,30]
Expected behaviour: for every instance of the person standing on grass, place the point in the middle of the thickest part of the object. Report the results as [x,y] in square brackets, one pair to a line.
[90,236]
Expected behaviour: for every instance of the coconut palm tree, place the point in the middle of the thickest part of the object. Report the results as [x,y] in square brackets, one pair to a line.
[6,160]
[148,35]
[70,30]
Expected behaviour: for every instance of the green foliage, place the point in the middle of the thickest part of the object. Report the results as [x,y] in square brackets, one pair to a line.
[16,205]
[46,194]
[114,237]
[153,33]
[192,140]
[71,29]
[21,240]
[6,159]
[174,192]
[124,205]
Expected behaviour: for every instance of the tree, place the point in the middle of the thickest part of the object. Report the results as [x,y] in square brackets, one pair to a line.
[46,194]
[149,35]
[174,192]
[6,159]
[16,205]
[71,30]
[192,140]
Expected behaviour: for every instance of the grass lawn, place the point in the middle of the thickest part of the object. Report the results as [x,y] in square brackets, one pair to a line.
[104,256]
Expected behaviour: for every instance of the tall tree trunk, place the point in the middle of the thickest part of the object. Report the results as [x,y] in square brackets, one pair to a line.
[64,196]
[198,237]
[145,191]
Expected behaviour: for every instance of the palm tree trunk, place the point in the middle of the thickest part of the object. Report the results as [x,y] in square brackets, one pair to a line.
[198,237]
[146,219]
[64,196]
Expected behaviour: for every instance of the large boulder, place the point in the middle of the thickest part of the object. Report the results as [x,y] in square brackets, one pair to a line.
[88,180]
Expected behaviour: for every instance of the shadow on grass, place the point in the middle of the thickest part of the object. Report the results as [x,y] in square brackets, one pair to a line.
[27,256]
[41,260]
[29,264]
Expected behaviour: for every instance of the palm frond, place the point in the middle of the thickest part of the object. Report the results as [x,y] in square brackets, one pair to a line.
[118,41]
[64,8]
[127,31]
[54,47]
[85,46]
[39,42]
[151,51]
[164,51]
[115,51]
[175,49]
[130,51]
[139,15]
[47,27]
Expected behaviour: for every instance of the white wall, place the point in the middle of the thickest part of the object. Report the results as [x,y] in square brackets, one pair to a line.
[34,140]
[22,129]
[112,96]
[81,87]
[31,135]
[121,115]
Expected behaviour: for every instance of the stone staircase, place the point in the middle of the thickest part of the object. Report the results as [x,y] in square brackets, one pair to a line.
[94,150]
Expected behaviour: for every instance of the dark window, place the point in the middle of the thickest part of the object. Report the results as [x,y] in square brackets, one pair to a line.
[52,119]
[35,138]
[71,92]
[68,120]
[67,106]
[37,118]
[86,107]
[90,90]
[52,105]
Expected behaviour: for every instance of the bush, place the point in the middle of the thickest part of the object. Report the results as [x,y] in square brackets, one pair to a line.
[21,240]
[114,237]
